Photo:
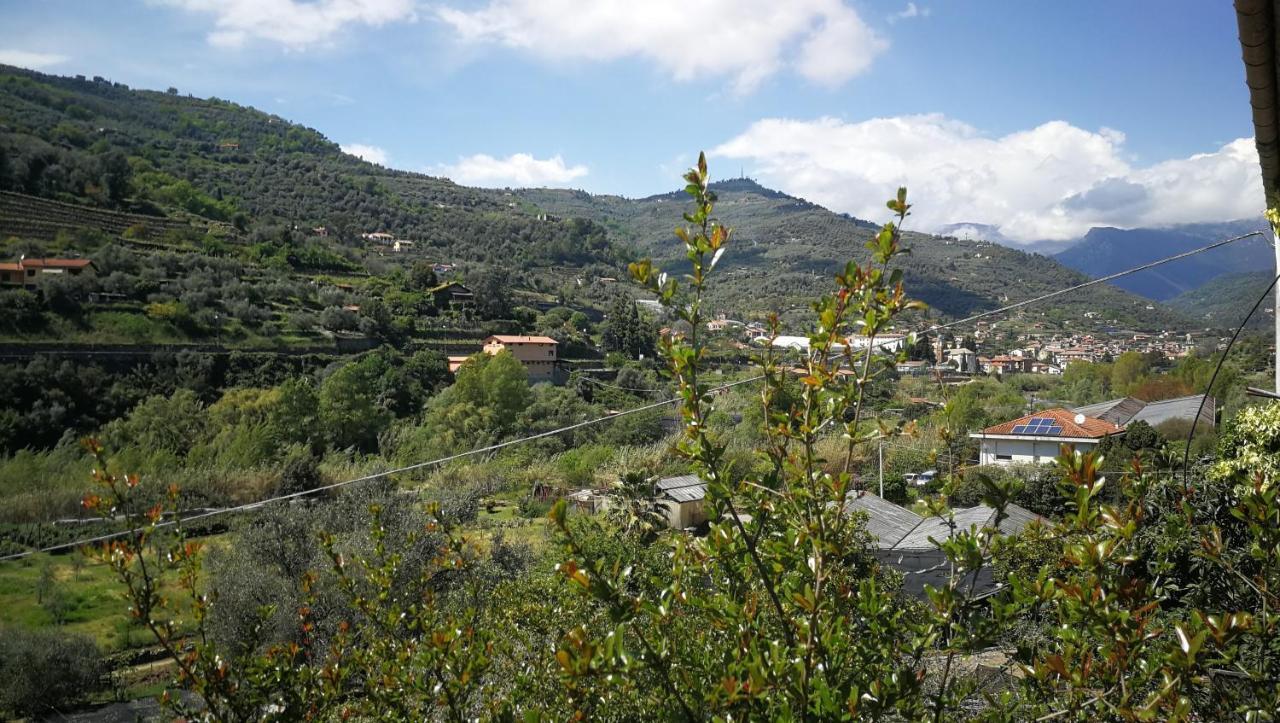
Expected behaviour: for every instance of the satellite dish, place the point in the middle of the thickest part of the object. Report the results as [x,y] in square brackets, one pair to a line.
[1079,419]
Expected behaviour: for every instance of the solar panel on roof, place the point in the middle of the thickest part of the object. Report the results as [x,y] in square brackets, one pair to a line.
[1039,426]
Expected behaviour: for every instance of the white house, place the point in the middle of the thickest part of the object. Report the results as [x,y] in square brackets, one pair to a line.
[1037,437]
[885,343]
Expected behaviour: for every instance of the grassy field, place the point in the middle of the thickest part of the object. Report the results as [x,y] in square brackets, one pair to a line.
[86,590]
[79,591]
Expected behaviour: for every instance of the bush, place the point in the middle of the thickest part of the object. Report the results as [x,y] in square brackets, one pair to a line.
[42,670]
[300,472]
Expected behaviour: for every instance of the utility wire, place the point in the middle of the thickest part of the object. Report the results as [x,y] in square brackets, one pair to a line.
[377,475]
[1186,451]
[1101,280]
[655,405]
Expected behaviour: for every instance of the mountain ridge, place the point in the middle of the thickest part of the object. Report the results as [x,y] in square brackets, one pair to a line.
[240,165]
[1106,250]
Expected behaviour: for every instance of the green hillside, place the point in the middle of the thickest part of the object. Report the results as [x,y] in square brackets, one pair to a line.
[210,177]
[103,144]
[787,249]
[1223,301]
[211,222]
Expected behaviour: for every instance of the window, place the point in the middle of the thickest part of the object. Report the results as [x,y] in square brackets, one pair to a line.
[1007,457]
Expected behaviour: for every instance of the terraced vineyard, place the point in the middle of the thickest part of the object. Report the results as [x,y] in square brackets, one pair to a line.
[40,218]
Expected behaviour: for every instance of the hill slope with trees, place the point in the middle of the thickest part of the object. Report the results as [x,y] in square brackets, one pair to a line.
[1107,250]
[788,248]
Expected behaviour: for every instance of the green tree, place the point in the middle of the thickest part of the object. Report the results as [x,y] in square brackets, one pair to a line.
[172,424]
[46,672]
[626,332]
[486,401]
[422,276]
[492,287]
[1128,372]
[348,406]
[295,419]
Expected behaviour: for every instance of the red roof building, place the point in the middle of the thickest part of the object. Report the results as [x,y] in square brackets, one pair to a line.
[1039,437]
[25,272]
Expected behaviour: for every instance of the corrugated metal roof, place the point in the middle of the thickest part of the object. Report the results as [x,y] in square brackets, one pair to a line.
[1016,519]
[1117,411]
[886,521]
[1181,408]
[685,488]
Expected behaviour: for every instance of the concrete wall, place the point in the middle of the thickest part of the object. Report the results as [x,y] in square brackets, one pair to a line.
[1023,451]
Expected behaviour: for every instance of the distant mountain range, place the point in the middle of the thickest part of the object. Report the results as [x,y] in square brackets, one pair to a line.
[1105,250]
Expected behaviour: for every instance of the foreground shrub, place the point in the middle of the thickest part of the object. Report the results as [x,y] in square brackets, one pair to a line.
[44,671]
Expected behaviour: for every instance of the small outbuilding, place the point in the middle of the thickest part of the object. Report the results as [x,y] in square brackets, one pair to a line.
[682,501]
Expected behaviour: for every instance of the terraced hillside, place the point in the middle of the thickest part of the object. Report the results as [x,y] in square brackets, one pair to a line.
[41,218]
[101,144]
[786,249]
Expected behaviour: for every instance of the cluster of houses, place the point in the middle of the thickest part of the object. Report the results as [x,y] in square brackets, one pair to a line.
[1062,350]
[27,272]
[1033,353]
[387,240]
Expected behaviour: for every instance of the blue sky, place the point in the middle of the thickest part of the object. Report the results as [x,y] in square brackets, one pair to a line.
[1041,118]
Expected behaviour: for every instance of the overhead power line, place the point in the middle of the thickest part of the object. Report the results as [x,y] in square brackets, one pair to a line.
[377,475]
[579,425]
[1100,280]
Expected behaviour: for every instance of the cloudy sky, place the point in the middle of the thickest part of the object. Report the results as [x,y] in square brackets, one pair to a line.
[1041,118]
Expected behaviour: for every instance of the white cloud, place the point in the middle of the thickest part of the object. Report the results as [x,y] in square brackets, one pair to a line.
[372,154]
[825,41]
[295,24]
[518,170]
[29,59]
[910,11]
[1054,181]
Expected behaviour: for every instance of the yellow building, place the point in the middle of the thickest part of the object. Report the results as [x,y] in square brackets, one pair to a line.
[536,353]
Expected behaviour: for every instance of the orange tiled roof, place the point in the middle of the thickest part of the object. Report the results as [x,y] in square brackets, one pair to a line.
[54,263]
[10,267]
[512,339]
[1091,428]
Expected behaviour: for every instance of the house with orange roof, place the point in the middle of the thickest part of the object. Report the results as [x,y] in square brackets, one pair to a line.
[536,353]
[26,272]
[1038,437]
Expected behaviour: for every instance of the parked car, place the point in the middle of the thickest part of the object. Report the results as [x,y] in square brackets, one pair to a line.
[920,479]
